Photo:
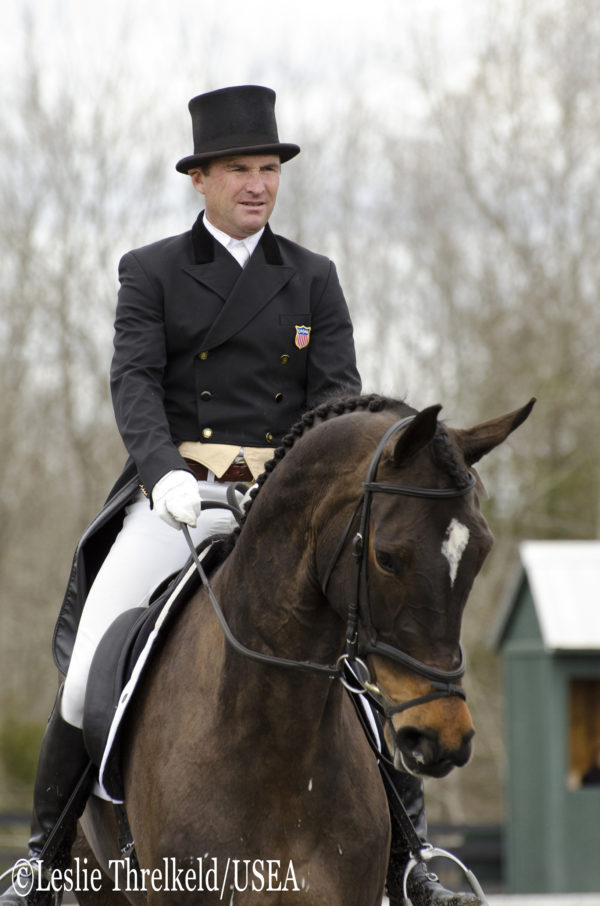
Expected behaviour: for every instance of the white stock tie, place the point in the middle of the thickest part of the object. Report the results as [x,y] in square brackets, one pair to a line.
[238,249]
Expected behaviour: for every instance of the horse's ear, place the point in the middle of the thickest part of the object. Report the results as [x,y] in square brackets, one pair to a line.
[417,435]
[476,442]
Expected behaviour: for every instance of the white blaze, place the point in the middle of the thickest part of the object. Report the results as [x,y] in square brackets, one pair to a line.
[455,542]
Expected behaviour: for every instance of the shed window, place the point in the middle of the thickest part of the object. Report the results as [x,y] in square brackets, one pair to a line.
[584,731]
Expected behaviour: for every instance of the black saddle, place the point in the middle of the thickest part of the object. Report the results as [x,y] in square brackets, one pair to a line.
[118,653]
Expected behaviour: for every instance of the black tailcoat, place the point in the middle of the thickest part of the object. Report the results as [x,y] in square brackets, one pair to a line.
[207,351]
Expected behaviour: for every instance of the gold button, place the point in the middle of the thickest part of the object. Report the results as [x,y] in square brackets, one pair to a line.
[284,359]
[278,397]
[269,437]
[207,432]
[203,355]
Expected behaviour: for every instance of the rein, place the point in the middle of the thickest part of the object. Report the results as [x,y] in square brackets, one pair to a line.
[260,656]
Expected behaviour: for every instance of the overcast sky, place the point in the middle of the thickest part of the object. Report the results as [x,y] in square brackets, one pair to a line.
[319,56]
[169,42]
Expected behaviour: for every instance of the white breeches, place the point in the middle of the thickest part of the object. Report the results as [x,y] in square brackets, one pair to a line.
[145,552]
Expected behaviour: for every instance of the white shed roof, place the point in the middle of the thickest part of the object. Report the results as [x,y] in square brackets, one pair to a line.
[564,578]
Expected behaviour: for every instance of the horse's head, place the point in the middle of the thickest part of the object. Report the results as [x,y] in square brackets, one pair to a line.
[419,541]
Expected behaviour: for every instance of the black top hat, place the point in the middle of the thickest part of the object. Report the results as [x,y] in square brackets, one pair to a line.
[238,120]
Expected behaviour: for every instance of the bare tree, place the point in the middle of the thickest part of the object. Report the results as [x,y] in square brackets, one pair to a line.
[75,197]
[502,236]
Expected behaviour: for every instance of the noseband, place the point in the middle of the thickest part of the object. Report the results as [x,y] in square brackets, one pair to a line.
[442,681]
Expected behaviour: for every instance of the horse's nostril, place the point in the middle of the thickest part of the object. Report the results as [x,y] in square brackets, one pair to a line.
[423,748]
[463,753]
[421,745]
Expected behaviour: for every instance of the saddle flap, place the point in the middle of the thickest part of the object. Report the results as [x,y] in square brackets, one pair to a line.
[108,675]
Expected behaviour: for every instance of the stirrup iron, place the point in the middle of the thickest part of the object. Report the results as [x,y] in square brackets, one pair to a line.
[424,855]
[24,873]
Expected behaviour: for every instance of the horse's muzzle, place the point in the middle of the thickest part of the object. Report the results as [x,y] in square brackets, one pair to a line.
[422,751]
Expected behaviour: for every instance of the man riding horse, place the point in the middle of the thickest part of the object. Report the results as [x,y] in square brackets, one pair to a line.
[224,336]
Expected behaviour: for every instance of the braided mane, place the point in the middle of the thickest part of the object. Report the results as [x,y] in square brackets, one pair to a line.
[330,409]
[443,453]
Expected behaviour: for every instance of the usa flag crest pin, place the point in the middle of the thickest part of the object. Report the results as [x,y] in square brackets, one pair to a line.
[302,338]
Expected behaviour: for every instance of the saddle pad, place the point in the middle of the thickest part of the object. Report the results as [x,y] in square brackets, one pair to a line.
[122,657]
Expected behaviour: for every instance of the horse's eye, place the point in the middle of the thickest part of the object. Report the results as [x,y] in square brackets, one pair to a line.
[388,562]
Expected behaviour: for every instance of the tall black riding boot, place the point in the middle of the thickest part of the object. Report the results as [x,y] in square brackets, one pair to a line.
[423,887]
[64,778]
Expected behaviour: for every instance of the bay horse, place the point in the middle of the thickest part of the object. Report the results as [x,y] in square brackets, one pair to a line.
[249,779]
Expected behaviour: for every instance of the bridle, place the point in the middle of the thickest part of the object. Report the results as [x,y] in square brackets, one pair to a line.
[443,682]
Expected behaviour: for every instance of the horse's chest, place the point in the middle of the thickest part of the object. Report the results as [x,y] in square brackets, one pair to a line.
[322,843]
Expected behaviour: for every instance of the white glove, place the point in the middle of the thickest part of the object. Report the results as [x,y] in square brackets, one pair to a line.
[176,498]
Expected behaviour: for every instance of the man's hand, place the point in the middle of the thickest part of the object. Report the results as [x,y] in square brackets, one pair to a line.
[176,498]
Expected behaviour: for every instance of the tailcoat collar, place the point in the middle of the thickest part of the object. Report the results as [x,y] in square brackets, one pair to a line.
[203,244]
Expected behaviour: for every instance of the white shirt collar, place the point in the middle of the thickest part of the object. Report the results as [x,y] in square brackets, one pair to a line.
[250,242]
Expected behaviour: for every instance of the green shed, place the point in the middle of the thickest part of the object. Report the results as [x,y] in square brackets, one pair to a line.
[549,639]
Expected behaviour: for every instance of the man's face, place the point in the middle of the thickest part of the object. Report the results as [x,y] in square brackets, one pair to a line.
[239,192]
